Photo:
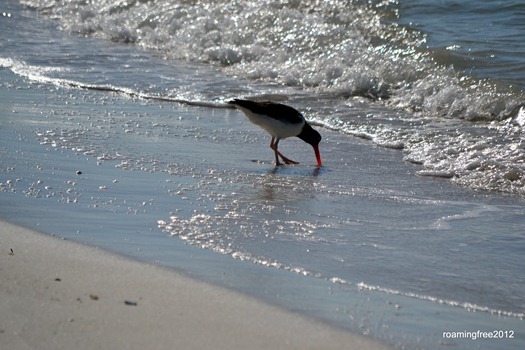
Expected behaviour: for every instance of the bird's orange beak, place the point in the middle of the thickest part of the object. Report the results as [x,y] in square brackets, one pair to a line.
[317,155]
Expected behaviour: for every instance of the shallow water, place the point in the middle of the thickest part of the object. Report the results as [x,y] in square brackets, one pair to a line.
[361,242]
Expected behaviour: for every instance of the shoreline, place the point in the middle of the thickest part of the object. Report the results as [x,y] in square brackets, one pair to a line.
[58,294]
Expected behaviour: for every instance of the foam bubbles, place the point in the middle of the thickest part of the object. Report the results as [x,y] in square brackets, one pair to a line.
[348,50]
[465,305]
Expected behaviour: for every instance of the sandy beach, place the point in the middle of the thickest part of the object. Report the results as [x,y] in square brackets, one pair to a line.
[56,294]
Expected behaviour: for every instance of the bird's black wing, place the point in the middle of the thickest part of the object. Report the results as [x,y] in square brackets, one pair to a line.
[273,110]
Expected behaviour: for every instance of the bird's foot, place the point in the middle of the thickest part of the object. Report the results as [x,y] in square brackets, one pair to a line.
[288,161]
[279,154]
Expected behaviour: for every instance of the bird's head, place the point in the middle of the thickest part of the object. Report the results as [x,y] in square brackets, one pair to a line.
[312,137]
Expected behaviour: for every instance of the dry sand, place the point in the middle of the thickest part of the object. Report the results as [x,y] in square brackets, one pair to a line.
[56,294]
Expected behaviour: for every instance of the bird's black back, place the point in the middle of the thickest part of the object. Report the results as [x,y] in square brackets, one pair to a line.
[273,110]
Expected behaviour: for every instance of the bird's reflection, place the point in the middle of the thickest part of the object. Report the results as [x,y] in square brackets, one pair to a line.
[283,183]
[303,171]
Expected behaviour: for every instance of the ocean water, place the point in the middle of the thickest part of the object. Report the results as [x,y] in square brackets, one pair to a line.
[413,227]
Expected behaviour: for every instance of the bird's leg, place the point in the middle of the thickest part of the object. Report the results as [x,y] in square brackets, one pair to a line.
[273,145]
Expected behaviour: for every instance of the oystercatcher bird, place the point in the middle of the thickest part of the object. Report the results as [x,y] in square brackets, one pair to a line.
[280,121]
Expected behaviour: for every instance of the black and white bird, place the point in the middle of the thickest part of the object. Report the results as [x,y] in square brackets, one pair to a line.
[280,121]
